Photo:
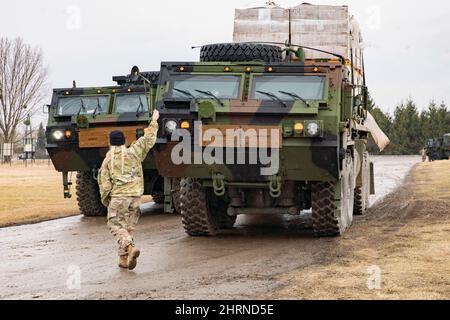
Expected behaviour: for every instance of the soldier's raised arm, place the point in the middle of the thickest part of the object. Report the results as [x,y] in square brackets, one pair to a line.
[142,146]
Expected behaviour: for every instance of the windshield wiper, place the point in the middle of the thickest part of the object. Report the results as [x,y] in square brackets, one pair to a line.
[141,107]
[294,95]
[97,108]
[187,93]
[82,107]
[274,97]
[210,94]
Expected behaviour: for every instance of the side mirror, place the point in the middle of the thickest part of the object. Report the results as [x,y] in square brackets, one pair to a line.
[46,108]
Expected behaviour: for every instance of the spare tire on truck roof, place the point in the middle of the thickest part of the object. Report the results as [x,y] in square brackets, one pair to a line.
[240,52]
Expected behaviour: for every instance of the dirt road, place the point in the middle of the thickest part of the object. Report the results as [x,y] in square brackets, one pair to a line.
[262,258]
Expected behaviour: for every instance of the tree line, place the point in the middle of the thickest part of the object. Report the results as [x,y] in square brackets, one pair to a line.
[409,129]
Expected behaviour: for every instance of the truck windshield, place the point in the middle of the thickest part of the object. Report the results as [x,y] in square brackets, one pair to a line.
[127,103]
[69,106]
[206,87]
[289,88]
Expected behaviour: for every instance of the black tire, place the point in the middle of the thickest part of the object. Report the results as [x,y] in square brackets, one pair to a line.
[195,213]
[158,198]
[328,219]
[325,224]
[203,214]
[234,52]
[88,196]
[360,204]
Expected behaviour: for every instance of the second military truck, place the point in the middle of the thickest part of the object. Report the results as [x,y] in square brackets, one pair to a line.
[80,120]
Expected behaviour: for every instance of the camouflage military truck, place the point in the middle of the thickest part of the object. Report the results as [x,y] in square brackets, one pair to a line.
[311,111]
[80,120]
[432,149]
[446,147]
[438,149]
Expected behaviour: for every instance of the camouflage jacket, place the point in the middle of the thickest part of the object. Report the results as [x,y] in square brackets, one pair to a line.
[121,174]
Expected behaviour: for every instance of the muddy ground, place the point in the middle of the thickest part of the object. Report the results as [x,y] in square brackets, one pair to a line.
[405,237]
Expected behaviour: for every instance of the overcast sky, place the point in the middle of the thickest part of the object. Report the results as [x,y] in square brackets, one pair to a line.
[407,54]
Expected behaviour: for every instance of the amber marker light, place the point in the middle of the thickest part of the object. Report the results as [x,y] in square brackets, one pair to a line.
[68,134]
[269,69]
[185,125]
[130,90]
[299,128]
[227,69]
[182,69]
[248,69]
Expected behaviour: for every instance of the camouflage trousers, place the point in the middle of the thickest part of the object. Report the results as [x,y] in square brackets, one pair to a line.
[123,216]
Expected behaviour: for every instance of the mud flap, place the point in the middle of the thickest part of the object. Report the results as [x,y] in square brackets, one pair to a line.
[168,203]
[372,179]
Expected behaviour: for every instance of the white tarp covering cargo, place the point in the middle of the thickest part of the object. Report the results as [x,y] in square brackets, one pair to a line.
[270,24]
[328,28]
[380,138]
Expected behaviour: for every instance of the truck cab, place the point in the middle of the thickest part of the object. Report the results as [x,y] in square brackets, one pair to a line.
[80,121]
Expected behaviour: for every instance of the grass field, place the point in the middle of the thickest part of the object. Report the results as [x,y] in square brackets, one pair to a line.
[34,193]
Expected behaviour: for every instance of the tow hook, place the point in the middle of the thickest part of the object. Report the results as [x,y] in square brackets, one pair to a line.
[219,184]
[95,174]
[275,186]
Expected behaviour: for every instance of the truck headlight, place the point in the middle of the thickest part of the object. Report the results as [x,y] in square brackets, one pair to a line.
[171,126]
[58,135]
[313,129]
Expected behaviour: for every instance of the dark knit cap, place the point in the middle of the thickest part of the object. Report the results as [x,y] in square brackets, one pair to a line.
[117,138]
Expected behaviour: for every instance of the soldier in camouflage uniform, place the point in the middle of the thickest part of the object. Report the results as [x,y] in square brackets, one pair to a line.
[122,186]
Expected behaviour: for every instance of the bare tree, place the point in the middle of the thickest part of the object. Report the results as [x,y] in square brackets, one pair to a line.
[23,84]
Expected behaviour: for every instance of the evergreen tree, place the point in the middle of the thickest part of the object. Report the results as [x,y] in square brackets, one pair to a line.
[435,121]
[406,135]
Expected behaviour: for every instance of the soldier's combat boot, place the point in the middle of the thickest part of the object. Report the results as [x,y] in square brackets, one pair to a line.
[123,262]
[133,254]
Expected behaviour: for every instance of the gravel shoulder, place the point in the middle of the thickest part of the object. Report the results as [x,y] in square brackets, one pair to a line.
[404,239]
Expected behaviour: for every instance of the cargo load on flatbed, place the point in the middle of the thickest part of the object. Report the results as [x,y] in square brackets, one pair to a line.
[328,28]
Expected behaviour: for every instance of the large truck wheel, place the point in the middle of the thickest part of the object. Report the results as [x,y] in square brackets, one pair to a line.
[203,214]
[362,193]
[235,52]
[88,196]
[333,216]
